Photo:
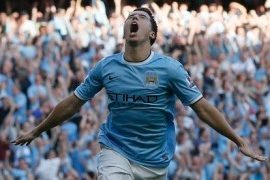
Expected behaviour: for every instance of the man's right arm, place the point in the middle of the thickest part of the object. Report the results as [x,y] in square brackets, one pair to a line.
[62,111]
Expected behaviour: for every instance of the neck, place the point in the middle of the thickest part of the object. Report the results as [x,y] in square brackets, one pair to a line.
[137,53]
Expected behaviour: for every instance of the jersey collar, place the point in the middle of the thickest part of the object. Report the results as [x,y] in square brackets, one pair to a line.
[138,63]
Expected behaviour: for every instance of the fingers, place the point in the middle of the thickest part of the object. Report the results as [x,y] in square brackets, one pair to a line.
[260,158]
[253,155]
[28,142]
[16,141]
[21,141]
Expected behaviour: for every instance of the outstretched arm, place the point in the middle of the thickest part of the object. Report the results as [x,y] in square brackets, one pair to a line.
[62,111]
[211,116]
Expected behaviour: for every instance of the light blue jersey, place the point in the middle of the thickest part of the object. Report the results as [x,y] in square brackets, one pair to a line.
[141,103]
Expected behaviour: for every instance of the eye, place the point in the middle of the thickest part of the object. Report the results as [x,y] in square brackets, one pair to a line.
[130,16]
[142,16]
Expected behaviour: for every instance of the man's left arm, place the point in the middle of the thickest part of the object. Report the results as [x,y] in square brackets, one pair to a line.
[211,116]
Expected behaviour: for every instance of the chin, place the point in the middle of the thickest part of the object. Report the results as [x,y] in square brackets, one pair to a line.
[132,41]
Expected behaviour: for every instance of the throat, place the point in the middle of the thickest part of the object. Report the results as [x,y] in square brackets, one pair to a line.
[138,52]
[136,58]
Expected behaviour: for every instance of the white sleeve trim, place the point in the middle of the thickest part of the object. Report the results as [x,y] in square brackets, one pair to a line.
[195,100]
[78,96]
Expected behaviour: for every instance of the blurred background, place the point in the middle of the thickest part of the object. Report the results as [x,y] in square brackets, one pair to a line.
[47,47]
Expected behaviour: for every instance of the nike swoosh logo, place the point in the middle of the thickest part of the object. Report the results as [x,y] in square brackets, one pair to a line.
[112,77]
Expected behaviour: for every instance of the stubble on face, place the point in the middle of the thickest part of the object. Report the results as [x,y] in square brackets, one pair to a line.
[137,28]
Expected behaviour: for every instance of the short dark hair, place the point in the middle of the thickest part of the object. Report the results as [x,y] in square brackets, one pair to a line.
[152,20]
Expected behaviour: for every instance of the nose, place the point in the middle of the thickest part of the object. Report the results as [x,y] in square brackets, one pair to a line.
[135,17]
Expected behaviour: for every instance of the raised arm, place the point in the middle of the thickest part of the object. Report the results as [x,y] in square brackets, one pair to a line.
[211,116]
[62,111]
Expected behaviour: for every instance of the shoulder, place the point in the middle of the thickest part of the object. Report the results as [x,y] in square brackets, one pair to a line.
[109,59]
[168,62]
[173,68]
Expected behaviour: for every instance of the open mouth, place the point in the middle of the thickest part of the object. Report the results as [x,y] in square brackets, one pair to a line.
[134,27]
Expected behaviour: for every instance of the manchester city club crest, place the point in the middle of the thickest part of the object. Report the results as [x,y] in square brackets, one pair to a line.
[151,79]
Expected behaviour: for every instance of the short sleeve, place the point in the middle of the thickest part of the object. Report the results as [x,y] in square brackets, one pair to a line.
[182,85]
[91,85]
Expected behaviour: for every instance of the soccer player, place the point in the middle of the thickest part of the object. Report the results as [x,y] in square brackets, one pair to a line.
[138,137]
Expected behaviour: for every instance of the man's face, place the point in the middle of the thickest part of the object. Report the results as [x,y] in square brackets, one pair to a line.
[137,28]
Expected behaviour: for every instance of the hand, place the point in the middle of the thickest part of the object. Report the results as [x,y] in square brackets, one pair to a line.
[25,138]
[250,153]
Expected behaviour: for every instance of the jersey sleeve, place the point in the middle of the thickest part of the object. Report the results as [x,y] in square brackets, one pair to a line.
[182,85]
[91,85]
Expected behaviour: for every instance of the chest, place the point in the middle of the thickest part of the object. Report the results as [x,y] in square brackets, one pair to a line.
[136,84]
[128,79]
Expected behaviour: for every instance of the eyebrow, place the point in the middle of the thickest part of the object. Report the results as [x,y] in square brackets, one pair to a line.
[133,14]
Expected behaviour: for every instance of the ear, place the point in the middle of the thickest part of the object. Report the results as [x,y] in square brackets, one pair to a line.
[152,35]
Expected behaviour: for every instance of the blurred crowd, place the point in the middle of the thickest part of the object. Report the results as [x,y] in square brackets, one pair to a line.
[45,56]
